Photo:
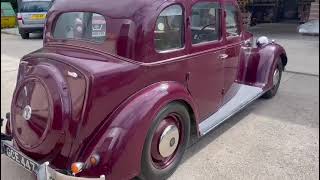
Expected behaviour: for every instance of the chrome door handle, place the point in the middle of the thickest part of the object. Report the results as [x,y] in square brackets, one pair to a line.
[223,56]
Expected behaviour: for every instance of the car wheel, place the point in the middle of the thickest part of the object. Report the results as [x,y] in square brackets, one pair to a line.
[276,78]
[24,35]
[166,142]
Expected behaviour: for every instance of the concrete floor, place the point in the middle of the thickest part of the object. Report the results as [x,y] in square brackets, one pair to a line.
[270,139]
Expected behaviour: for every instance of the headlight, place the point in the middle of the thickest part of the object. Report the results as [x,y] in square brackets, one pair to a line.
[262,41]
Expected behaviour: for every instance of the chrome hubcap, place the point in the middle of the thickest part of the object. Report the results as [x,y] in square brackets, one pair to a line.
[276,77]
[169,141]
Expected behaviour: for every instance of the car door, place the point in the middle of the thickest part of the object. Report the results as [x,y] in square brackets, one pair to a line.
[232,46]
[205,40]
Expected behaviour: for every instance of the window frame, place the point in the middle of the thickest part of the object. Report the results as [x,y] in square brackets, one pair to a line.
[207,43]
[54,24]
[239,26]
[183,31]
[220,39]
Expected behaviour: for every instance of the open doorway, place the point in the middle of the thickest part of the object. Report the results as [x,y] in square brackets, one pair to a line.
[272,11]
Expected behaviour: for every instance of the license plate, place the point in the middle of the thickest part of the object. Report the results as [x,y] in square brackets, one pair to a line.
[98,34]
[38,16]
[20,158]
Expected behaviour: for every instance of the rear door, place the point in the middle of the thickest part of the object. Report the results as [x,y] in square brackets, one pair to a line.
[34,12]
[232,28]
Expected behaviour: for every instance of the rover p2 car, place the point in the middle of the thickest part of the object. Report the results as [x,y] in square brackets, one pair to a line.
[120,88]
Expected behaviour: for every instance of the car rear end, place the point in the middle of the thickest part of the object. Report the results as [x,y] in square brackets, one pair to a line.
[46,109]
[31,16]
[58,87]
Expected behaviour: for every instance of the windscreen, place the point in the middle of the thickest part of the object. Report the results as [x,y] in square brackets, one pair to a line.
[81,26]
[35,6]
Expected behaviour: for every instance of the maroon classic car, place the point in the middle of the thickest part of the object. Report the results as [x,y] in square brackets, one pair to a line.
[120,88]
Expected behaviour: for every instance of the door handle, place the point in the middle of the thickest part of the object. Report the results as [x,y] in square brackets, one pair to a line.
[223,56]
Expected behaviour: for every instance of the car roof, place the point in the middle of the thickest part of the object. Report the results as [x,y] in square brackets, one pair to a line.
[111,8]
[36,0]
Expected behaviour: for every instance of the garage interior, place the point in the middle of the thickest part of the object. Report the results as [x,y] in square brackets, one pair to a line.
[278,11]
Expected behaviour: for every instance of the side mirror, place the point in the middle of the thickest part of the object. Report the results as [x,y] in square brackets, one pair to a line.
[262,41]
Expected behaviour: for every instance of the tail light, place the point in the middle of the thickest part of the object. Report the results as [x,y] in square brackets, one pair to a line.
[93,160]
[19,18]
[77,167]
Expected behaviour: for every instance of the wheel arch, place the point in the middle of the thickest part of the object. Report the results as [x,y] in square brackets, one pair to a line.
[284,59]
[278,53]
[257,65]
[194,131]
[125,139]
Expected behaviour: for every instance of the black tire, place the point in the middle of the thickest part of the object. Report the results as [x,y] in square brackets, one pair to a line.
[273,91]
[24,35]
[148,170]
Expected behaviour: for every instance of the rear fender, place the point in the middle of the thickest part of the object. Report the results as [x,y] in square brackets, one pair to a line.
[120,141]
[257,65]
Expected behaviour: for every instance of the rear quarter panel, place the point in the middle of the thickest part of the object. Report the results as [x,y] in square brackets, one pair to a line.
[120,140]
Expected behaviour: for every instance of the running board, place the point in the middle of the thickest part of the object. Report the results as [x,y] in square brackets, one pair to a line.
[245,95]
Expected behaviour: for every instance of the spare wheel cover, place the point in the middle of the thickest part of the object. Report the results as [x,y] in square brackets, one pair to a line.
[40,109]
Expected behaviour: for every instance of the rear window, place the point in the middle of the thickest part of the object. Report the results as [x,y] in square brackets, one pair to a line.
[35,6]
[81,26]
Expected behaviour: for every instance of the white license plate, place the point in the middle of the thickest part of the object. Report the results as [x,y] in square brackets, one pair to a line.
[20,158]
[98,34]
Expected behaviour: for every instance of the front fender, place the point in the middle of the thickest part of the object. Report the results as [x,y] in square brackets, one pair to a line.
[257,65]
[120,141]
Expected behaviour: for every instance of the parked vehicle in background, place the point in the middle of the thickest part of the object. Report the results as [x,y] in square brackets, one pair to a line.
[31,16]
[8,16]
[309,28]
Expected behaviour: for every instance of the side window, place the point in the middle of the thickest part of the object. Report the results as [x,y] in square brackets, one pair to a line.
[81,26]
[232,24]
[169,31]
[205,24]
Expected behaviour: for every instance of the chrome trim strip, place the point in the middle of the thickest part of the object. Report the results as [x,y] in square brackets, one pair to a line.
[245,95]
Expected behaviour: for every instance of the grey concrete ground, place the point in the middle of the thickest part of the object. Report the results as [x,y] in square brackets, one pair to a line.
[12,31]
[270,139]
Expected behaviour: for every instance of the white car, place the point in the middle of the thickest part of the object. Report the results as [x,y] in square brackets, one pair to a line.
[31,16]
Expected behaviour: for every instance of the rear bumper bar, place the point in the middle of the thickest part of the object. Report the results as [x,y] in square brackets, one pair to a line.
[30,29]
[43,171]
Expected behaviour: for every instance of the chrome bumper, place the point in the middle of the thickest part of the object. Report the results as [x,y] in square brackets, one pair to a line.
[45,172]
